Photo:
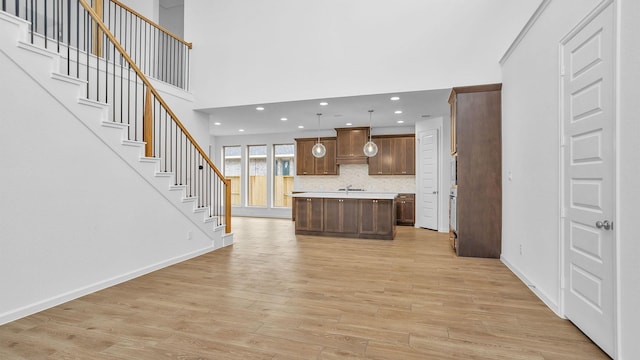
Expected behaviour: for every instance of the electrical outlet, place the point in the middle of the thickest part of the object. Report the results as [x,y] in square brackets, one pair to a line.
[521,249]
[190,235]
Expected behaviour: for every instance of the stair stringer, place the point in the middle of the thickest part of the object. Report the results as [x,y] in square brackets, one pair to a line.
[68,92]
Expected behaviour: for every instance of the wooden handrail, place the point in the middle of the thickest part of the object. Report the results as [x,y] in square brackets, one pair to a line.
[188,44]
[146,81]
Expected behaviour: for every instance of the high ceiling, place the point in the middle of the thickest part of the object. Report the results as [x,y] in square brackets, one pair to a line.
[337,113]
[489,18]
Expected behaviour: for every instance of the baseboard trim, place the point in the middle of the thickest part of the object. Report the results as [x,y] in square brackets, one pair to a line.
[553,305]
[75,294]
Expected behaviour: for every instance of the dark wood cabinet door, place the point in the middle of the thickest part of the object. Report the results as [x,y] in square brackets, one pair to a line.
[384,216]
[326,165]
[382,163]
[377,217]
[405,209]
[404,151]
[309,214]
[302,214]
[340,216]
[305,162]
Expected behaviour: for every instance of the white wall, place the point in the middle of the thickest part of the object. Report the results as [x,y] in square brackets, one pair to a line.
[252,51]
[149,8]
[75,217]
[530,150]
[172,19]
[444,160]
[531,126]
[629,180]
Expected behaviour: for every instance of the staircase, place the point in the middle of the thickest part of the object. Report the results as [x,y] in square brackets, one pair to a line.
[181,174]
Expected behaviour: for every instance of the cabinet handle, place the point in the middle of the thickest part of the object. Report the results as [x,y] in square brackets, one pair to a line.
[404,172]
[379,172]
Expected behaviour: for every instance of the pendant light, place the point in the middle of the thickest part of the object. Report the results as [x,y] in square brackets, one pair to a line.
[370,148]
[318,149]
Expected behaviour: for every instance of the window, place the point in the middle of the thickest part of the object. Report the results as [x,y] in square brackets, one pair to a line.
[257,175]
[232,170]
[283,168]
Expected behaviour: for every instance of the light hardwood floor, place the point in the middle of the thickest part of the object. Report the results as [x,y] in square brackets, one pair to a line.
[275,296]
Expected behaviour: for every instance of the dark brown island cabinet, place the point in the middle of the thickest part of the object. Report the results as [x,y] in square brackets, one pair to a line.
[349,216]
[476,146]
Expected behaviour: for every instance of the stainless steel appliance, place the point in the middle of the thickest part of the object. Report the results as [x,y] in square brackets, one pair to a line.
[453,195]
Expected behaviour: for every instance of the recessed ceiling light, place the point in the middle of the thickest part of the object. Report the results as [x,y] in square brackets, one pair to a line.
[300,127]
[348,124]
[241,130]
[398,112]
[426,115]
[324,103]
[259,108]
[395,98]
[400,121]
[284,119]
[217,123]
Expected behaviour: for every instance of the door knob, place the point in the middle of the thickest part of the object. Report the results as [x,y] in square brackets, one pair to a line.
[435,192]
[604,225]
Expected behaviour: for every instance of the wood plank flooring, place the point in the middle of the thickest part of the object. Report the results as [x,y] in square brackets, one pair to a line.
[275,296]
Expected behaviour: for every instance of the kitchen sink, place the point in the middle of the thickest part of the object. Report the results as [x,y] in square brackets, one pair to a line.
[343,189]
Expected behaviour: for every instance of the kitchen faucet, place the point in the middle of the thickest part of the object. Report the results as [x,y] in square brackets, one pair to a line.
[346,189]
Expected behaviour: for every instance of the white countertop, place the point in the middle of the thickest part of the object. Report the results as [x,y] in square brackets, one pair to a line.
[351,195]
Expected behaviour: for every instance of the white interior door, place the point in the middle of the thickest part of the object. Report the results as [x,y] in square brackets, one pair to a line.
[428,179]
[589,160]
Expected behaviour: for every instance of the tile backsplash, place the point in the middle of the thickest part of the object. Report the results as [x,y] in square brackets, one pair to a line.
[358,176]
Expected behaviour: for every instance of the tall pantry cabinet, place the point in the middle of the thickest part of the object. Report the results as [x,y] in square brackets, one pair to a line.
[476,143]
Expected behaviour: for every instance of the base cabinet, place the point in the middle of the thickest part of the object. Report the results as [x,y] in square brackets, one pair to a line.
[406,209]
[306,210]
[341,216]
[374,217]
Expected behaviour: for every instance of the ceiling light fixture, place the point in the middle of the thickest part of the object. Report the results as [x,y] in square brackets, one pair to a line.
[395,98]
[318,149]
[300,127]
[400,121]
[324,103]
[398,112]
[348,124]
[217,123]
[259,108]
[284,119]
[370,148]
[241,130]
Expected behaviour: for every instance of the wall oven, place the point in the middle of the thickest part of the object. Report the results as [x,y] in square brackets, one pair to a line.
[453,211]
[454,171]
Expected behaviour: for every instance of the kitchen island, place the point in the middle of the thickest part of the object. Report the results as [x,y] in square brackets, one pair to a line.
[353,214]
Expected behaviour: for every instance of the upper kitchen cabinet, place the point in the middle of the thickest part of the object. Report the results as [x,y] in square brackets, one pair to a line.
[307,164]
[350,145]
[396,155]
[476,129]
[326,165]
[404,149]
[382,163]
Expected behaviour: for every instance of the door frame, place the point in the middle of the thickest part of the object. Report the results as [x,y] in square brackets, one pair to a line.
[561,165]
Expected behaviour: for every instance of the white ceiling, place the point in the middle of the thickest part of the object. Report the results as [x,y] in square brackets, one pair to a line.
[496,21]
[414,105]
